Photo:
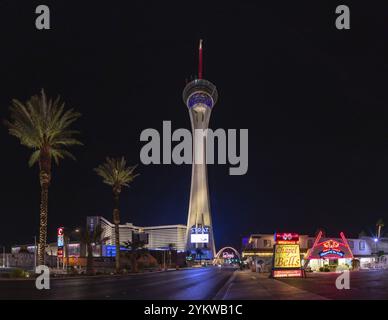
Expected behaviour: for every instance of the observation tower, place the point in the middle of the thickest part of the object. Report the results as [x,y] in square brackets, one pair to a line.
[200,96]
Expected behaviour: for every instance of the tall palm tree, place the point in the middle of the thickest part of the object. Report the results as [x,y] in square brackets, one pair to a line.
[171,248]
[199,254]
[379,225]
[116,174]
[42,124]
[90,238]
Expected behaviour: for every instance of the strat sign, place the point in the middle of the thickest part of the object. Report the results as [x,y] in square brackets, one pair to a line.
[286,257]
[199,235]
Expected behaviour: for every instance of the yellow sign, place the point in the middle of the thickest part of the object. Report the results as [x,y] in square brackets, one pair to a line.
[287,256]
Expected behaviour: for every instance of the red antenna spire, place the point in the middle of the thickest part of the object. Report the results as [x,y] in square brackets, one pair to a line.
[200,60]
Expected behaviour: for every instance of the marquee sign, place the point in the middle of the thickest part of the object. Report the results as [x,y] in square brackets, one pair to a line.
[286,238]
[286,256]
[330,248]
[199,234]
[60,242]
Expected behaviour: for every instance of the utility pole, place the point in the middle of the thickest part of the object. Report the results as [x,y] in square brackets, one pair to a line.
[3,257]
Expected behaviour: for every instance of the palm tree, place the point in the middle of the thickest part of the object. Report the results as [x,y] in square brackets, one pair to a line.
[116,174]
[135,247]
[199,253]
[42,124]
[90,238]
[379,225]
[171,248]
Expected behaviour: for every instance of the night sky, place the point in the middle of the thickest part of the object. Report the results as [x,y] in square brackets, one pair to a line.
[314,99]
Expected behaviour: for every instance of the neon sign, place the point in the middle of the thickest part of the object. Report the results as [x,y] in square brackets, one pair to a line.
[330,248]
[286,238]
[286,256]
[60,242]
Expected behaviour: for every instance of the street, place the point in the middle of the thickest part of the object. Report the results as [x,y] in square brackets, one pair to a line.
[197,284]
[363,285]
[203,284]
[248,285]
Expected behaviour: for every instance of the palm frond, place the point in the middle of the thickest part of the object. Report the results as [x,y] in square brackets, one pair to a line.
[116,173]
[42,122]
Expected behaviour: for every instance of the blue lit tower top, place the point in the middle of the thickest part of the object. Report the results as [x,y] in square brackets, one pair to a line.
[200,94]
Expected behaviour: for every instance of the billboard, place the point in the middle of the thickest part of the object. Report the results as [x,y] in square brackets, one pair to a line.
[287,256]
[199,234]
[199,238]
[60,241]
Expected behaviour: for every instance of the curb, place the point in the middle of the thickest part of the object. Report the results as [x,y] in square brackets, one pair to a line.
[221,294]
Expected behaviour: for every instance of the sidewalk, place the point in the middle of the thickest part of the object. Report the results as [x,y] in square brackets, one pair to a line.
[248,285]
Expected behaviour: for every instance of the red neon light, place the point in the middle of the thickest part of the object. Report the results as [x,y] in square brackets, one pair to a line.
[200,60]
[60,231]
[342,235]
[329,249]
[314,245]
[287,237]
[287,273]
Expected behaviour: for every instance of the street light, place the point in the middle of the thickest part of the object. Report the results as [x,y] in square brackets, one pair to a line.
[3,257]
[377,255]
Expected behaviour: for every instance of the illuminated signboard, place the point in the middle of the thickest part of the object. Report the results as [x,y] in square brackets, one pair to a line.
[199,234]
[330,248]
[287,273]
[60,234]
[286,256]
[199,238]
[286,238]
[110,250]
[199,230]
[227,255]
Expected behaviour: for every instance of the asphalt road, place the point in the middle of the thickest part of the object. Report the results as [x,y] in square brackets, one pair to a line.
[363,285]
[198,284]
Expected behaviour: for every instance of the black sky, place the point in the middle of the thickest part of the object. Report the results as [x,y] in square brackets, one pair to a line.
[313,98]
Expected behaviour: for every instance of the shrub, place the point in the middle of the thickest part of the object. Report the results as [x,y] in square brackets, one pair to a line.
[18,273]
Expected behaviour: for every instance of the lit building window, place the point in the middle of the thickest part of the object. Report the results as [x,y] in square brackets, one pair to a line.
[267,244]
[362,245]
[351,244]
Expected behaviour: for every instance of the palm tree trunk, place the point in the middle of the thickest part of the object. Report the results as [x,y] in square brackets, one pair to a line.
[43,223]
[44,178]
[89,259]
[116,221]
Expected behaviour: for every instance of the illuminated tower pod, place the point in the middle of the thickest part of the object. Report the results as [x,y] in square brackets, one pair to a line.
[200,96]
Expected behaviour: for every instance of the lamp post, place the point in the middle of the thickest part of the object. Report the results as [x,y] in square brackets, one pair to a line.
[376,240]
[3,257]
